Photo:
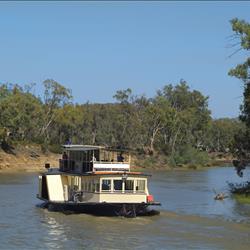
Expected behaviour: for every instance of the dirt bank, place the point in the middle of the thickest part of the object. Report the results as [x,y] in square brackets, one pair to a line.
[26,158]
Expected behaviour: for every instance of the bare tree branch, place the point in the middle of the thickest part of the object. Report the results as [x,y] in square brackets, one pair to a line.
[236,51]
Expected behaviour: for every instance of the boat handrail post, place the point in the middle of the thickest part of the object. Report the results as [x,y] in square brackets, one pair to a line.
[129,161]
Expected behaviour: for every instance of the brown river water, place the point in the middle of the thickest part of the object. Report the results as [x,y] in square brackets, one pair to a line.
[190,218]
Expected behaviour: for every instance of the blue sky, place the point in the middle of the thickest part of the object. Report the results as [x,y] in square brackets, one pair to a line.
[97,48]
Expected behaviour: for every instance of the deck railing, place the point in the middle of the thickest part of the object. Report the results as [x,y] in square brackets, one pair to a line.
[111,166]
[67,165]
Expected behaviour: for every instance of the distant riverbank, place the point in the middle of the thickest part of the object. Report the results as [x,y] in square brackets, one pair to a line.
[31,158]
[26,158]
[161,162]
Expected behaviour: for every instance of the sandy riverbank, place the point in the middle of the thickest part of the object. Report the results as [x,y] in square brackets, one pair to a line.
[26,158]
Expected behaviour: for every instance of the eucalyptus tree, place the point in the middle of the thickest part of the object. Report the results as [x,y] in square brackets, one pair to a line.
[242,71]
[221,134]
[125,118]
[20,113]
[67,124]
[241,34]
[55,96]
[188,116]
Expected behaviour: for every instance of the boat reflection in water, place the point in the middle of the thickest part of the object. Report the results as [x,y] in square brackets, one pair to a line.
[96,180]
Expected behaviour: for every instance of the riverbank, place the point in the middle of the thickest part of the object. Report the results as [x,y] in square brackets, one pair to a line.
[160,162]
[242,198]
[26,158]
[31,158]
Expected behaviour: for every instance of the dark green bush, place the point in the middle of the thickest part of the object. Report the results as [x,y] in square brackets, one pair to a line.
[187,155]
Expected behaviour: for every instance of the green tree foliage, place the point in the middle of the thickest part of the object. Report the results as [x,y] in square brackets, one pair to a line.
[55,97]
[188,118]
[241,31]
[175,124]
[221,134]
[20,112]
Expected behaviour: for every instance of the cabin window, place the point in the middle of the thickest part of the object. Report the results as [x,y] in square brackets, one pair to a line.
[76,181]
[117,185]
[106,185]
[79,156]
[129,185]
[140,187]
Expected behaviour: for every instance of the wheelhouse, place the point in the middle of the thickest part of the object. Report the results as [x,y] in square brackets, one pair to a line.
[82,159]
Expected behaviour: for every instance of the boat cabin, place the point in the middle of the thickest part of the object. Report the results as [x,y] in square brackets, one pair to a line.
[94,187]
[83,158]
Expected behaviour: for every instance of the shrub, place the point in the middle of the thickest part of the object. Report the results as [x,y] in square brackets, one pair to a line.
[240,188]
[187,155]
[55,148]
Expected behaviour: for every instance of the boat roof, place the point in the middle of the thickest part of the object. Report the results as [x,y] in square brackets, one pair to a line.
[97,173]
[76,147]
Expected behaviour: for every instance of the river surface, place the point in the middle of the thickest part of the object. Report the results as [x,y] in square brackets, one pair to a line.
[190,218]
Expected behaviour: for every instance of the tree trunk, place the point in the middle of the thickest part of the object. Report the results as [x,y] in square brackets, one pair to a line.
[93,137]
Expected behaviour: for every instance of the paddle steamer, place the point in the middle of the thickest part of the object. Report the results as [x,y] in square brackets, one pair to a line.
[96,180]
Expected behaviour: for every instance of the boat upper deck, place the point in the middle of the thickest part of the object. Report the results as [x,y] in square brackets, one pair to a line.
[88,158]
[56,171]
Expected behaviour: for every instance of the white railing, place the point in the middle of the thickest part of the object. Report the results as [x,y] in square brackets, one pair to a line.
[111,165]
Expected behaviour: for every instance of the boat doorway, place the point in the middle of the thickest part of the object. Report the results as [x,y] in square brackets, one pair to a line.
[44,193]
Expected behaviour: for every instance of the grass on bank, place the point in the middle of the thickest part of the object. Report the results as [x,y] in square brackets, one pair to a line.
[242,198]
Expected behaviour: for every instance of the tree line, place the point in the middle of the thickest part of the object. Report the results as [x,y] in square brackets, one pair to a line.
[176,123]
